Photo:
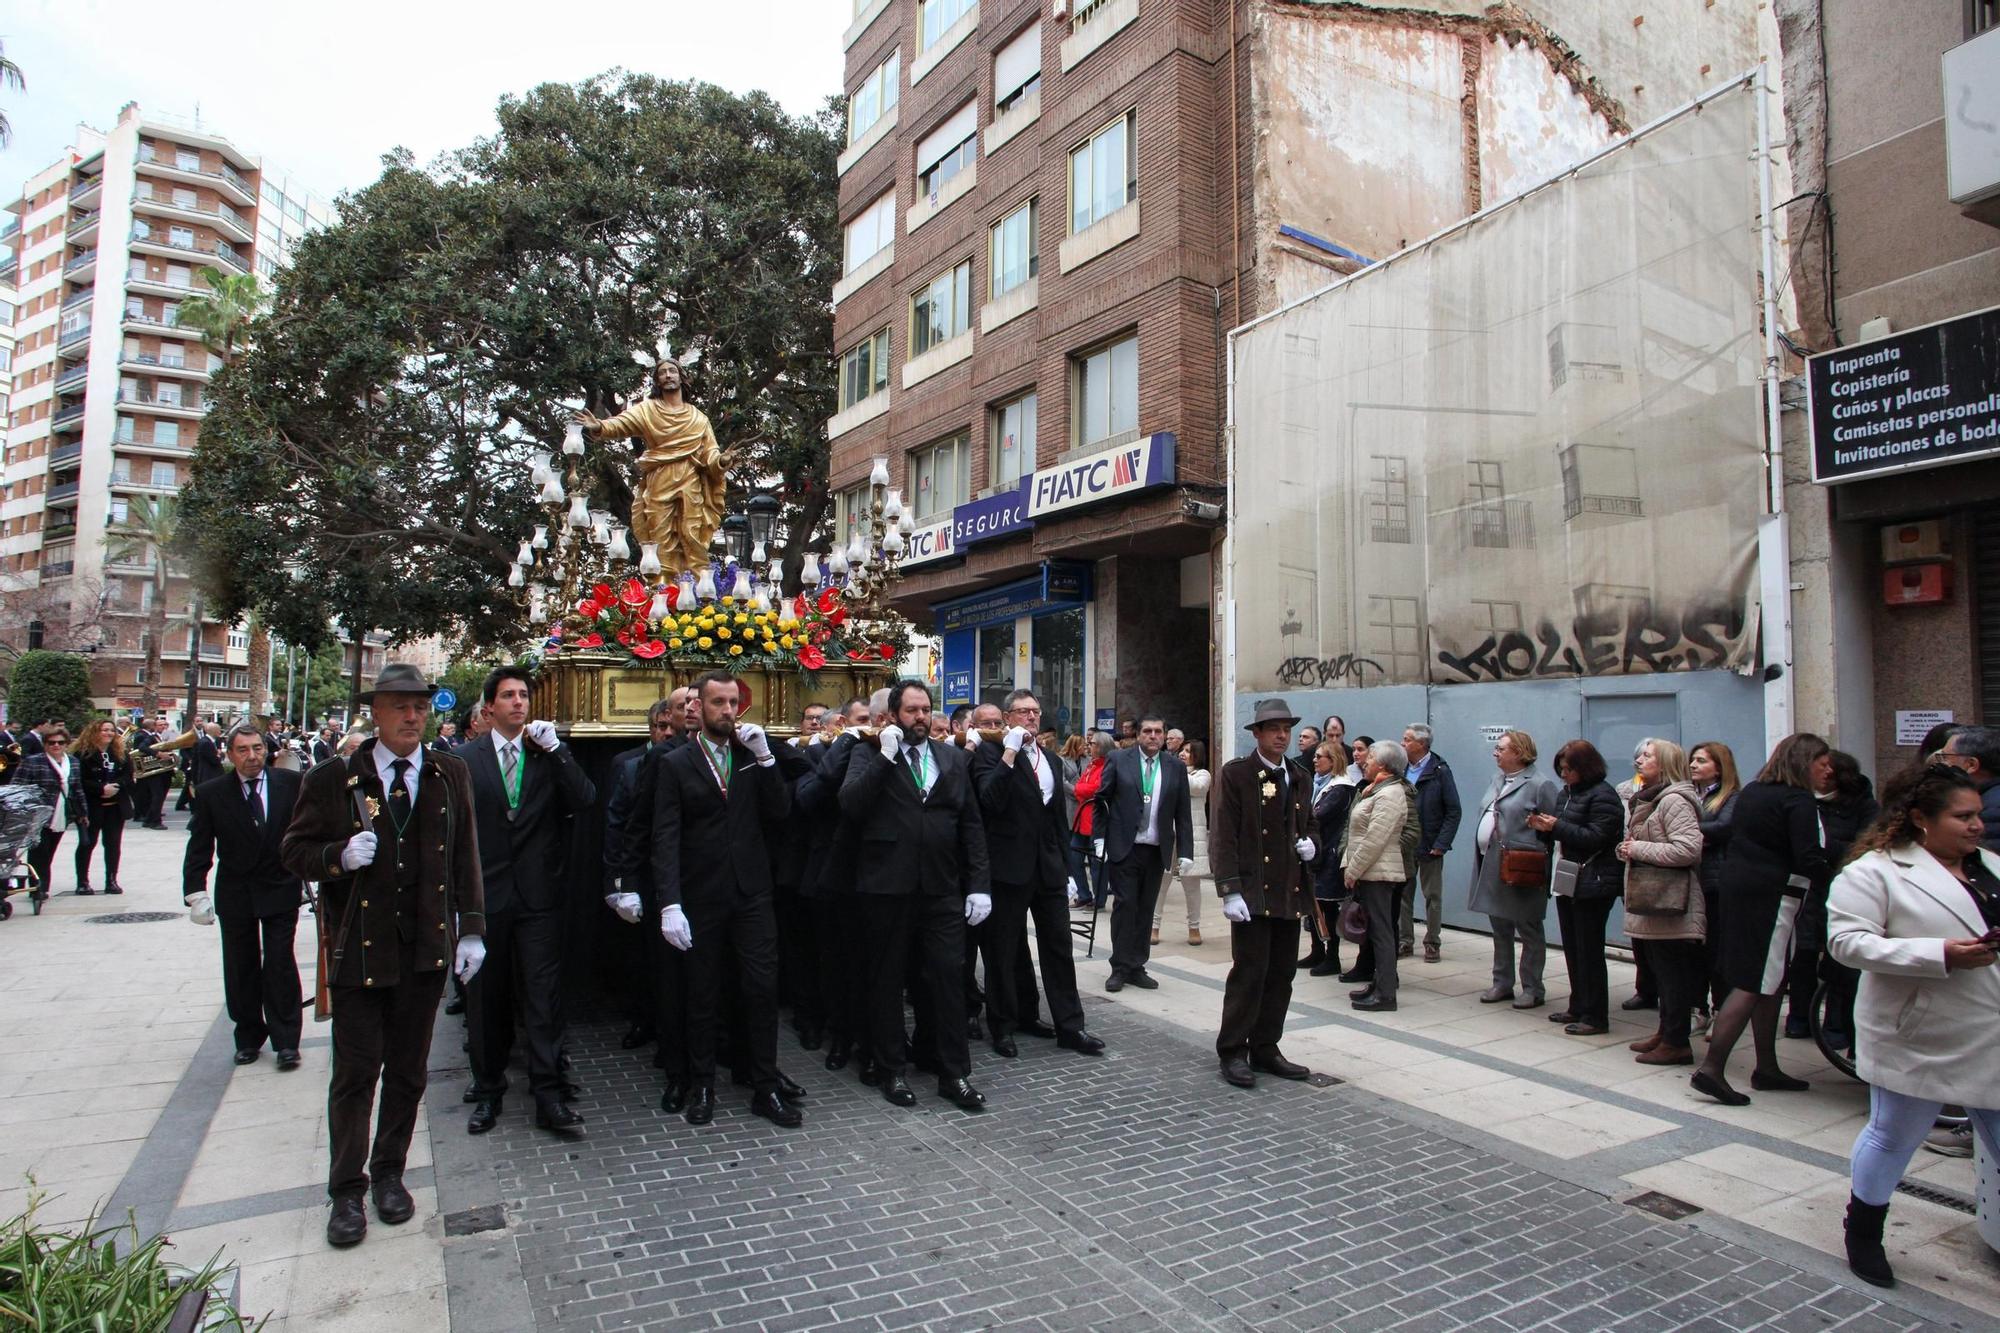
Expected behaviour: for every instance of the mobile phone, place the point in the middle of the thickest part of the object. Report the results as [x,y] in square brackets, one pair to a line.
[1991,937]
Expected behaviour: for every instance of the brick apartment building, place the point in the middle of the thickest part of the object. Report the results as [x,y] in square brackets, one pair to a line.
[1042,261]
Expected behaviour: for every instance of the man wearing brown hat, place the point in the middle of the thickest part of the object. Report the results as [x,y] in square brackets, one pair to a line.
[1260,840]
[388,832]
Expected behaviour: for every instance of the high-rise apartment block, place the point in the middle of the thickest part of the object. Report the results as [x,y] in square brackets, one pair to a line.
[109,387]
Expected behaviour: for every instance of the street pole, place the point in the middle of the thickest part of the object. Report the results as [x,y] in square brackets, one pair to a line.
[194,662]
[291,664]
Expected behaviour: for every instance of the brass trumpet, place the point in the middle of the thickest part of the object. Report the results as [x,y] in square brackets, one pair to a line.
[148,764]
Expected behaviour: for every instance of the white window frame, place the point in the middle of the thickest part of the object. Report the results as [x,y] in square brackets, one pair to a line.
[945,12]
[876,222]
[1025,409]
[1084,157]
[868,359]
[998,266]
[1120,410]
[875,98]
[928,500]
[951,291]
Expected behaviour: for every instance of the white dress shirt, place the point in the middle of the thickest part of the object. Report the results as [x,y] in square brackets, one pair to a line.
[1039,762]
[60,819]
[1149,828]
[383,760]
[927,774]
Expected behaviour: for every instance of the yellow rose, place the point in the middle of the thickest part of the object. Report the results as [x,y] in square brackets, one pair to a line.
[729,601]
[673,643]
[742,619]
[736,650]
[788,623]
[722,631]
[704,643]
[785,642]
[770,647]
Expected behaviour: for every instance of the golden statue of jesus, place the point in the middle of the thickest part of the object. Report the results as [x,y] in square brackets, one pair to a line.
[679,500]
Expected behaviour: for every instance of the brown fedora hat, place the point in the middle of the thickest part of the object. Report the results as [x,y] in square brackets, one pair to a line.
[398,678]
[1271,710]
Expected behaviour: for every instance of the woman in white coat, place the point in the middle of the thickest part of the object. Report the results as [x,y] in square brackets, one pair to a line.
[1918,912]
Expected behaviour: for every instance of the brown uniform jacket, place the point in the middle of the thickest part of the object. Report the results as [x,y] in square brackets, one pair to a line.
[1259,811]
[450,901]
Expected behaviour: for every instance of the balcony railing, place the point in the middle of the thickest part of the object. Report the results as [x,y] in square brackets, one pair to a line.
[1498,525]
[81,258]
[1388,530]
[140,398]
[149,157]
[83,297]
[81,198]
[67,453]
[1622,506]
[66,491]
[83,221]
[70,379]
[223,212]
[67,417]
[59,569]
[164,361]
[220,249]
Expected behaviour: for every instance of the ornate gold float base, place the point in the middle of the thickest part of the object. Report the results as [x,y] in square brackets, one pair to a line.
[604,694]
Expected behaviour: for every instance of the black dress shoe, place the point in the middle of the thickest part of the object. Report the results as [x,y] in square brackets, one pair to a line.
[1563,1016]
[776,1110]
[114,887]
[974,1028]
[871,1073]
[1313,959]
[1361,994]
[810,1036]
[484,1112]
[675,1099]
[1236,1071]
[636,1036]
[85,891]
[349,1222]
[1329,968]
[1115,982]
[1004,1047]
[1081,1041]
[700,1105]
[455,1005]
[1639,1002]
[1354,974]
[1375,1004]
[248,1057]
[838,1053]
[569,1091]
[1274,1063]
[288,1061]
[1035,1027]
[961,1094]
[393,1203]
[896,1091]
[790,1090]
[1143,980]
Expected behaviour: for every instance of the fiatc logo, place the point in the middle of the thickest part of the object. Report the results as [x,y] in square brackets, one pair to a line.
[1090,479]
[930,542]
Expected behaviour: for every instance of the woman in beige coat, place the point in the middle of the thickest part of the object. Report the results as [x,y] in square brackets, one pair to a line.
[1664,829]
[1918,912]
[1371,862]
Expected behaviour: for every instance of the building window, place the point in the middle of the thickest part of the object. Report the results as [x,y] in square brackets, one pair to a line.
[1388,499]
[875,98]
[1395,634]
[164,475]
[1107,393]
[240,680]
[935,17]
[871,232]
[864,370]
[941,309]
[217,679]
[948,150]
[1981,15]
[167,432]
[120,509]
[1015,257]
[1104,172]
[850,515]
[1017,70]
[187,159]
[1600,479]
[1013,455]
[1499,617]
[938,478]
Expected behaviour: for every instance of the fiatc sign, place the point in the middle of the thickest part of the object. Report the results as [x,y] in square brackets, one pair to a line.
[1144,463]
[1918,399]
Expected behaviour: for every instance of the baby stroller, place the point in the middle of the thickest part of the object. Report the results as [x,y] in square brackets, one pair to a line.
[22,819]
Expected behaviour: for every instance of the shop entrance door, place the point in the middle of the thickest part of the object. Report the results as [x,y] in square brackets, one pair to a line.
[996,663]
[1058,671]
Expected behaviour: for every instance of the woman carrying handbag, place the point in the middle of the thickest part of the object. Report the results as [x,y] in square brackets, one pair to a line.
[1664,909]
[1584,831]
[1510,879]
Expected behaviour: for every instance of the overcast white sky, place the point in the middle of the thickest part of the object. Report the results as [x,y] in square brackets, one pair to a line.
[324,89]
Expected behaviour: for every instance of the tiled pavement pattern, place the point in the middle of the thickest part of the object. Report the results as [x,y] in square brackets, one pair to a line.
[1132,1192]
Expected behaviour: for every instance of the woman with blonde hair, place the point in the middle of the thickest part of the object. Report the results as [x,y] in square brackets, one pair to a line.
[1712,770]
[1664,911]
[106,774]
[1510,878]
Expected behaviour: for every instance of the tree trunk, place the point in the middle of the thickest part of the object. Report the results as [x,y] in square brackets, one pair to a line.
[260,668]
[156,634]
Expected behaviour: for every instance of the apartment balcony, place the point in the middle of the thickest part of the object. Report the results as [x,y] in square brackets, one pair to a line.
[139,321]
[76,300]
[166,363]
[221,217]
[86,196]
[56,532]
[83,227]
[60,569]
[129,485]
[228,182]
[1497,525]
[69,418]
[156,448]
[64,494]
[10,267]
[165,243]
[81,266]
[159,406]
[64,454]
[161,287]
[73,378]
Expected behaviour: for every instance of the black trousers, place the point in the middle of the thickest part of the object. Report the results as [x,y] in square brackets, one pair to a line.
[670,1006]
[522,972]
[107,829]
[153,792]
[260,979]
[930,927]
[42,860]
[841,985]
[380,1034]
[1135,891]
[1582,921]
[1681,969]
[735,953]
[1008,966]
[798,971]
[1263,956]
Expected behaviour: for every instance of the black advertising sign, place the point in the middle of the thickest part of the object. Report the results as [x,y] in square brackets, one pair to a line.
[1918,399]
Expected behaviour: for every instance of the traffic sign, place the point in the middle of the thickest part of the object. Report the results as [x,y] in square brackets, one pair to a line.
[444,701]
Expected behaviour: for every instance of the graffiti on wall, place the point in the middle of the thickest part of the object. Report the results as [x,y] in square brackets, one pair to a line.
[1633,637]
[1326,673]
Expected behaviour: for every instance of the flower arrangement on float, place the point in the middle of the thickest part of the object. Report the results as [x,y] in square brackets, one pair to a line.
[673,624]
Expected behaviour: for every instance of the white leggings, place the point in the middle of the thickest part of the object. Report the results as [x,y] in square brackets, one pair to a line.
[1191,887]
[1897,1124]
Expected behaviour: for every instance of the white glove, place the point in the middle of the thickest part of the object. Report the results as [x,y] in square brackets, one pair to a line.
[625,904]
[1097,848]
[1235,908]
[971,739]
[110,789]
[1015,738]
[978,906]
[818,738]
[471,954]
[543,734]
[1304,847]
[201,910]
[755,741]
[891,740]
[1075,894]
[674,928]
[359,852]
[1184,865]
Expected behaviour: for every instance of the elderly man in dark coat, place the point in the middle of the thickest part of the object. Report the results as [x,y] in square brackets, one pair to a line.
[1260,842]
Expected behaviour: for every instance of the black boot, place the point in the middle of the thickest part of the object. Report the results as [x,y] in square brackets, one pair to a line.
[1316,957]
[1865,1255]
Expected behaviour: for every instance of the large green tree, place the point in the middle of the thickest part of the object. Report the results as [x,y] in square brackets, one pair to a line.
[365,459]
[49,684]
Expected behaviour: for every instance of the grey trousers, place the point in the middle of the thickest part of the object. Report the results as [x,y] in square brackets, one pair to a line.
[1378,899]
[1534,952]
[1430,878]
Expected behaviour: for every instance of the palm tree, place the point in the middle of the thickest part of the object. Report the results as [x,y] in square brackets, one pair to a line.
[144,538]
[10,77]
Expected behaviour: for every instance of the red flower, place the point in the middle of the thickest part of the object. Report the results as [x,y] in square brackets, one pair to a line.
[673,596]
[634,593]
[648,650]
[811,658]
[828,600]
[601,591]
[591,641]
[839,616]
[588,608]
[888,653]
[625,636]
[800,607]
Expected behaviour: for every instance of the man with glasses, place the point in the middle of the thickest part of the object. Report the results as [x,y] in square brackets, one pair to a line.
[1148,817]
[60,780]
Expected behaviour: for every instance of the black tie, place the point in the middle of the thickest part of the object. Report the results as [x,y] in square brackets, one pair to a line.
[399,793]
[255,806]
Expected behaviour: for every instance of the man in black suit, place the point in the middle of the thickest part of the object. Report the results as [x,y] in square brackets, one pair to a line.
[1147,819]
[628,882]
[525,785]
[239,823]
[152,794]
[920,879]
[826,884]
[716,804]
[1021,806]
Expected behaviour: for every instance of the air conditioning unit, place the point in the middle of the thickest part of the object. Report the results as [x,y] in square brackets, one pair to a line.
[1972,125]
